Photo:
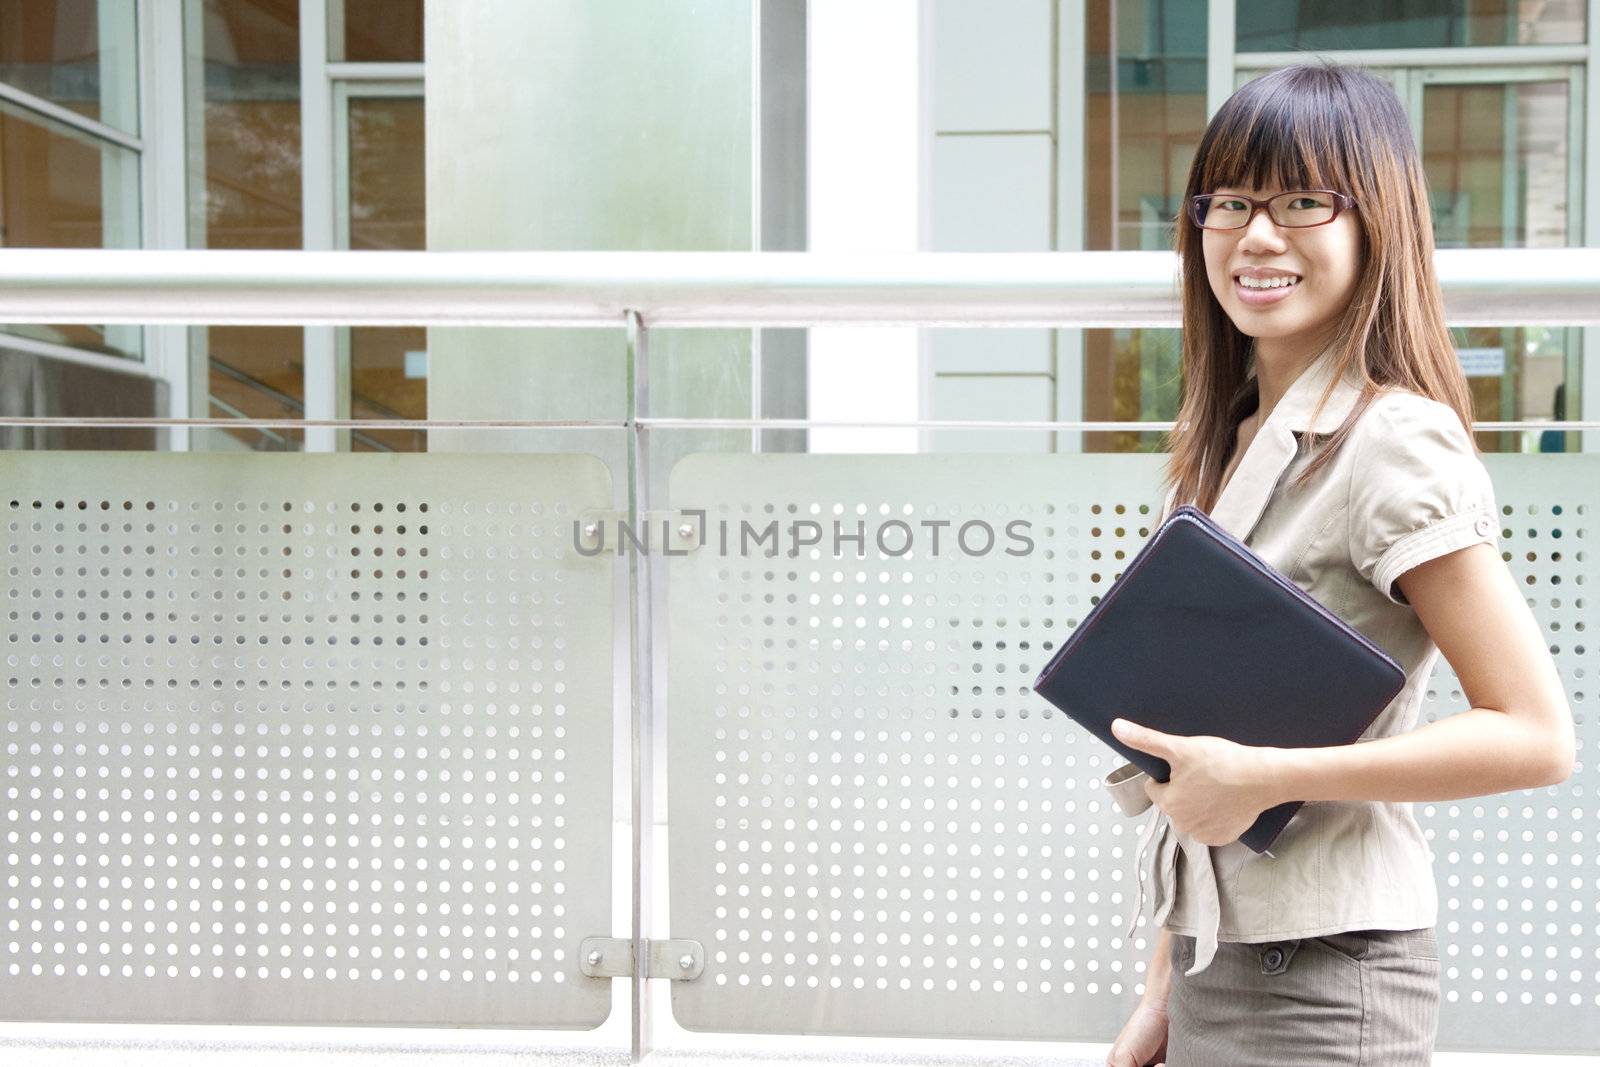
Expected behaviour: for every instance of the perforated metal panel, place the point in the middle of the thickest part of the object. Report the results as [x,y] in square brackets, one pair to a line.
[872,829]
[873,833]
[304,738]
[1519,873]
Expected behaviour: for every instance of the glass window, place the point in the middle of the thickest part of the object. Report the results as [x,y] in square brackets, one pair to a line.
[1499,176]
[1496,160]
[1328,25]
[388,365]
[375,31]
[60,188]
[387,199]
[250,186]
[1146,110]
[248,193]
[254,372]
[80,54]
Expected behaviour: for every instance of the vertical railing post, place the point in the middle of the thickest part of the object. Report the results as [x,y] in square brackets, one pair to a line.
[322,384]
[641,668]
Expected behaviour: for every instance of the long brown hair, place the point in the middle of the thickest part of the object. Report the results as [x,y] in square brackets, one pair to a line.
[1328,126]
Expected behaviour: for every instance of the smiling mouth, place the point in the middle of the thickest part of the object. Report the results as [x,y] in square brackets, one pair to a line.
[1263,297]
[1267,285]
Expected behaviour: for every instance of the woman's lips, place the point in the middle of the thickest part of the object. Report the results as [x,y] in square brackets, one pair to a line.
[1263,297]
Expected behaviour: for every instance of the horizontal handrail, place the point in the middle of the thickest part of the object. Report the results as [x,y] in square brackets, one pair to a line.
[1482,287]
[706,423]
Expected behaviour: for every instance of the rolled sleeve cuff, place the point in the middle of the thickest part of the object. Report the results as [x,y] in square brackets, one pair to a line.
[1126,786]
[1472,526]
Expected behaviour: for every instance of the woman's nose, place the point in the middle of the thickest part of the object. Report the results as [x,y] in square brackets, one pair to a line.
[1261,231]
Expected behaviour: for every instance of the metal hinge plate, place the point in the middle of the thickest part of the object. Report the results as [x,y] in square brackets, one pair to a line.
[612,957]
[685,530]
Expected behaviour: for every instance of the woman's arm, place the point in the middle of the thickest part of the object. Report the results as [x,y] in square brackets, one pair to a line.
[1158,976]
[1144,1036]
[1518,733]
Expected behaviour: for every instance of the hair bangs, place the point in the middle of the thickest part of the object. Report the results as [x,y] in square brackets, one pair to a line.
[1279,137]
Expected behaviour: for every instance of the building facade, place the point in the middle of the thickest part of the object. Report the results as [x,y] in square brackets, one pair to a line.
[1050,125]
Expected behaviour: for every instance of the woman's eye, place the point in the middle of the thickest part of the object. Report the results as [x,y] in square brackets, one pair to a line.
[1305,201]
[1229,205]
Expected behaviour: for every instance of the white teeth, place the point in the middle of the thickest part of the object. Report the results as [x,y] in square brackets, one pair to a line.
[1265,283]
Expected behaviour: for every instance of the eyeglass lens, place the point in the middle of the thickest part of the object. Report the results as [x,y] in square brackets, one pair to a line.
[1297,208]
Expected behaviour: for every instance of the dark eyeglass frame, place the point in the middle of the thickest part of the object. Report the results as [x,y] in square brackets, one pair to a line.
[1341,202]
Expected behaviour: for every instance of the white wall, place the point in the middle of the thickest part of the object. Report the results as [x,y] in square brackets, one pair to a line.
[866,146]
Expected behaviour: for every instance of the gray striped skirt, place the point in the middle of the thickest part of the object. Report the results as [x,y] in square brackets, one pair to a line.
[1360,997]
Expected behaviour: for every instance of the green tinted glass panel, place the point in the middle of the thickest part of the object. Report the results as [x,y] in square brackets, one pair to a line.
[1277,26]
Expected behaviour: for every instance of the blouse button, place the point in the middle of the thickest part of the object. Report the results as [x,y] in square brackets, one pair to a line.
[1483,526]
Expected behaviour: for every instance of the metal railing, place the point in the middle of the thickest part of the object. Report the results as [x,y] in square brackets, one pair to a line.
[1488,287]
[640,291]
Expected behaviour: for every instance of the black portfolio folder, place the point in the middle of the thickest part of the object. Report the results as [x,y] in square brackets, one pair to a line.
[1199,635]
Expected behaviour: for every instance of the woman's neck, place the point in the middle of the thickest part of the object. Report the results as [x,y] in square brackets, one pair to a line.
[1278,362]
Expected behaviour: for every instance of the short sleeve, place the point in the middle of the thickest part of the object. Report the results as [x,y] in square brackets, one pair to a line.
[1418,491]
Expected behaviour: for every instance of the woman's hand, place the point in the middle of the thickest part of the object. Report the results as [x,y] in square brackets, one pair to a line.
[1143,1040]
[1217,787]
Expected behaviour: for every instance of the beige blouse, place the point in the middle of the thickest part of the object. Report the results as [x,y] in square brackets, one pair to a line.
[1405,487]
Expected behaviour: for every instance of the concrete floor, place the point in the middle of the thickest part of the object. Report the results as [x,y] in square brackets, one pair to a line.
[124,1045]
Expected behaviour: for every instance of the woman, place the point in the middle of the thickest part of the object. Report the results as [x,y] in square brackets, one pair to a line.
[1325,422]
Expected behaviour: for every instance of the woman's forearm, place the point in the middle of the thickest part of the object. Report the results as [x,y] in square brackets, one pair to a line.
[1479,752]
[1158,976]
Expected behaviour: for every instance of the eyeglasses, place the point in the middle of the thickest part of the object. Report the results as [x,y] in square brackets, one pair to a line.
[1295,209]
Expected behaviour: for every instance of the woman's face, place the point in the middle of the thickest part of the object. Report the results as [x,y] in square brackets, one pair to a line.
[1325,259]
